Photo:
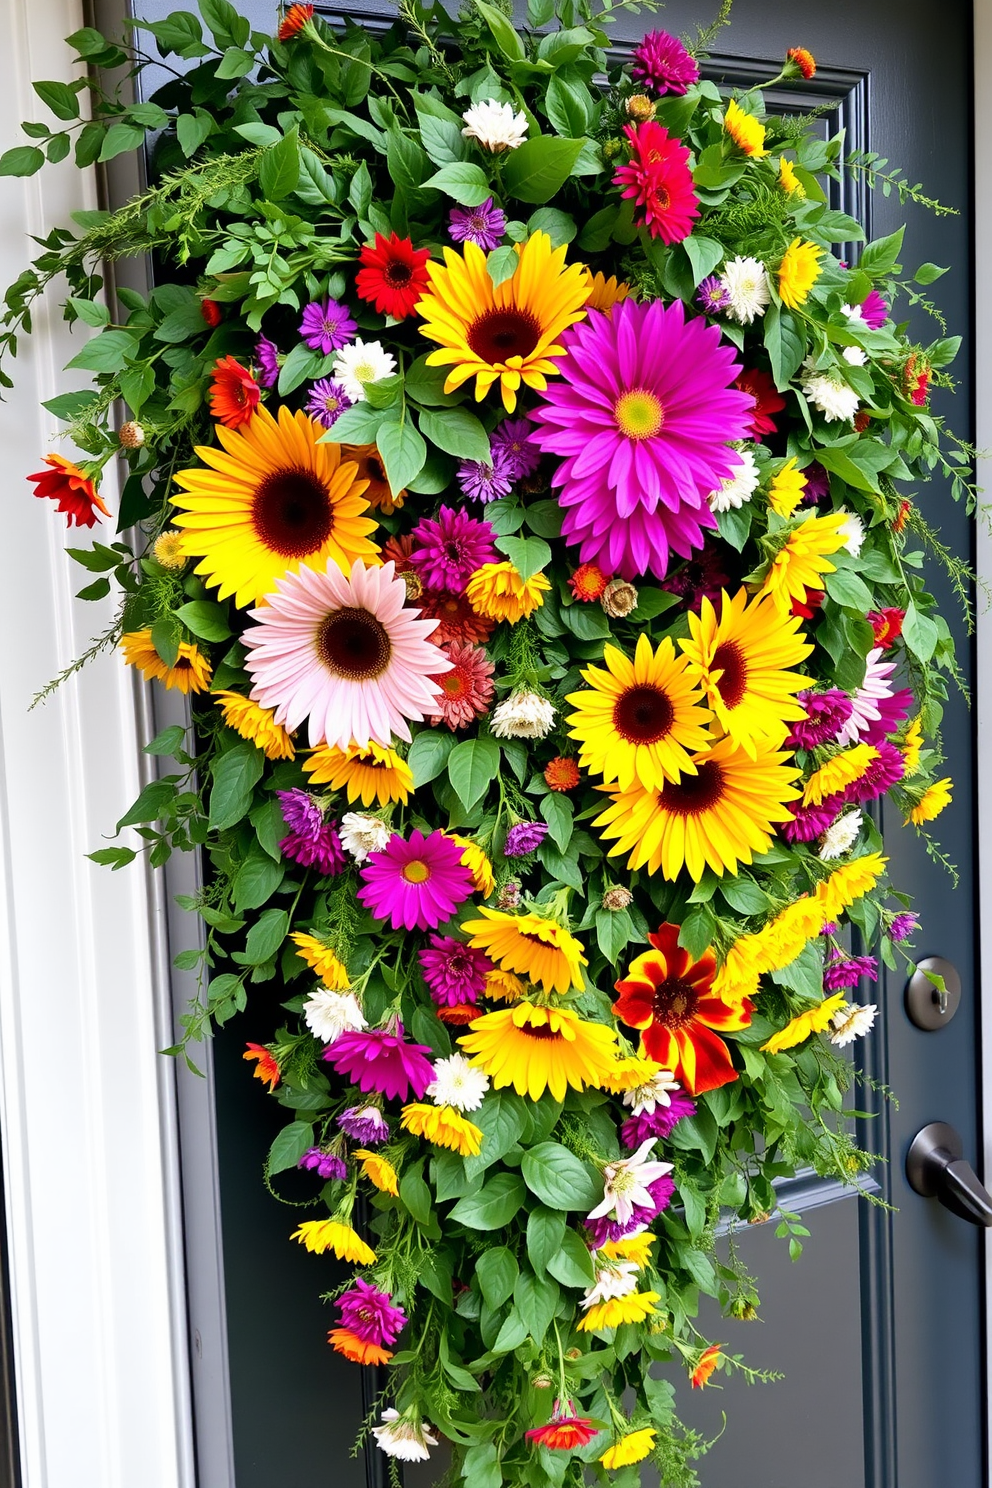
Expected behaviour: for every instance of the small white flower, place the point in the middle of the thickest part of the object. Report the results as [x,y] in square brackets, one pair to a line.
[854,532]
[330,1014]
[746,283]
[615,1279]
[361,835]
[360,363]
[523,715]
[739,487]
[853,312]
[644,1099]
[399,1436]
[626,1184]
[854,356]
[829,393]
[840,836]
[457,1083]
[495,125]
[850,1023]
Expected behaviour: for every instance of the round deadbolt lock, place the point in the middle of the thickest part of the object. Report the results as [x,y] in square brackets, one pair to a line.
[928,1004]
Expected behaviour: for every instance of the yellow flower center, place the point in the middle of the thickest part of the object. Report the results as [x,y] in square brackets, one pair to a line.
[639,414]
[416,872]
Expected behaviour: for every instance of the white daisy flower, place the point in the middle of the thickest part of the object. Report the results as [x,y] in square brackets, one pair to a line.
[495,125]
[746,283]
[853,312]
[361,835]
[739,487]
[626,1184]
[360,363]
[840,836]
[827,392]
[616,1279]
[854,532]
[523,715]
[644,1099]
[457,1083]
[854,356]
[330,1014]
[400,1436]
[850,1023]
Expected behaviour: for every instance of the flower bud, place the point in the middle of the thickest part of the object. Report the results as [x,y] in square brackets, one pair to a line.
[617,898]
[619,598]
[131,435]
[640,107]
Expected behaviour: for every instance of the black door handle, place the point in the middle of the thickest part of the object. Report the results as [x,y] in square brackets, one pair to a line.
[936,1168]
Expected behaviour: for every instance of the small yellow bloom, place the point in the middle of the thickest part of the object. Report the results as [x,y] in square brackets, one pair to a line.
[605,293]
[540,949]
[788,180]
[798,272]
[636,1248]
[931,803]
[378,1170]
[629,1449]
[190,672]
[802,560]
[745,131]
[444,1127]
[912,746]
[631,1309]
[475,860]
[320,1235]
[628,1073]
[371,774]
[847,883]
[497,591]
[813,1020]
[504,986]
[786,490]
[256,724]
[168,550]
[838,773]
[321,959]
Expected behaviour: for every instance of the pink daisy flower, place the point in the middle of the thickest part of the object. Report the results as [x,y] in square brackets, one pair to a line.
[643,414]
[448,550]
[345,652]
[865,703]
[658,180]
[454,972]
[467,690]
[381,1059]
[416,883]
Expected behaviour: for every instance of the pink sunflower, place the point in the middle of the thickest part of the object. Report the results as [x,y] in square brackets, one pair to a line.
[467,690]
[415,883]
[346,652]
[658,180]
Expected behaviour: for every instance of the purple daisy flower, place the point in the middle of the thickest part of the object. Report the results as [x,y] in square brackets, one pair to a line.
[485,483]
[312,841]
[267,361]
[447,550]
[826,714]
[662,64]
[383,1061]
[881,775]
[524,838]
[903,926]
[327,326]
[483,225]
[817,483]
[511,448]
[659,1122]
[371,1314]
[846,971]
[455,972]
[365,1125]
[327,1164]
[603,1229]
[327,401]
[712,295]
[810,822]
[874,309]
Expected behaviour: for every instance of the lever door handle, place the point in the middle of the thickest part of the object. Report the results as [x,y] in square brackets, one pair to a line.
[936,1168]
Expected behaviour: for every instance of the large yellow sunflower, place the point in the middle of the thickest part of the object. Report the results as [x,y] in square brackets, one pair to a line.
[539,949]
[507,333]
[272,499]
[802,560]
[372,774]
[540,1048]
[641,720]
[741,661]
[723,815]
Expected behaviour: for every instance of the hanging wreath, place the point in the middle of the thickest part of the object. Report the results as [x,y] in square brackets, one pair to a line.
[514,486]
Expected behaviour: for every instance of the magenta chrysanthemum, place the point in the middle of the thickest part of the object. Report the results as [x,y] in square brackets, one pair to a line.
[510,442]
[371,1314]
[486,482]
[267,362]
[483,225]
[662,65]
[880,776]
[826,714]
[327,1165]
[449,548]
[365,1125]
[658,1123]
[903,926]
[846,971]
[643,414]
[891,713]
[327,326]
[345,652]
[382,1060]
[467,690]
[312,841]
[415,883]
[810,822]
[603,1229]
[454,972]
[524,838]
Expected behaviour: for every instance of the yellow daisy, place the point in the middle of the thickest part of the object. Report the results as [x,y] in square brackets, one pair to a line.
[320,1235]
[270,500]
[636,1248]
[743,663]
[802,560]
[378,1170]
[912,746]
[838,773]
[847,883]
[321,959]
[497,591]
[190,672]
[629,1449]
[503,986]
[507,333]
[931,803]
[641,720]
[256,724]
[605,293]
[786,490]
[798,272]
[813,1020]
[444,1127]
[168,550]
[720,817]
[475,860]
[633,1308]
[745,130]
[788,180]
[541,949]
[535,1049]
[372,774]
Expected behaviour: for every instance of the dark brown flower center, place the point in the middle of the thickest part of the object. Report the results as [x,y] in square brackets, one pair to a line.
[353,644]
[182,664]
[543,1031]
[292,513]
[661,199]
[398,274]
[693,794]
[503,333]
[643,715]
[729,658]
[675,1002]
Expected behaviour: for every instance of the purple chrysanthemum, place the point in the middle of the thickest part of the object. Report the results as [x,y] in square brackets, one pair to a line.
[371,1314]
[524,838]
[383,1061]
[817,483]
[449,548]
[415,883]
[267,362]
[881,775]
[327,401]
[483,225]
[312,841]
[891,712]
[365,1125]
[326,1164]
[712,295]
[327,326]
[512,449]
[810,822]
[485,483]
[846,971]
[454,972]
[662,65]
[701,577]
[903,926]
[826,714]
[643,414]
[659,1122]
[603,1229]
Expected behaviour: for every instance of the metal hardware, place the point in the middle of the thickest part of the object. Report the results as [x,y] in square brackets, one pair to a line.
[935,1168]
[927,1005]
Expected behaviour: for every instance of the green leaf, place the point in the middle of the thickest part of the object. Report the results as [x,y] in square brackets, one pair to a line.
[696,934]
[358,425]
[227,26]
[192,130]
[559,1178]
[744,895]
[572,1264]
[614,931]
[426,384]
[535,1299]
[493,1206]
[785,345]
[403,453]
[545,1234]
[513,1333]
[596,233]
[704,254]
[929,273]
[440,131]
[457,432]
[881,257]
[121,139]
[560,227]
[256,880]
[235,774]
[504,35]
[845,588]
[557,812]
[501,263]
[113,857]
[279,170]
[539,169]
[497,1271]
[150,805]
[206,620]
[472,765]
[463,182]
[266,936]
[60,98]
[235,63]
[416,1195]
[106,352]
[301,363]
[502,1119]
[527,554]
[570,107]
[168,741]
[481,1467]
[166,636]
[429,755]
[942,353]
[920,633]
[289,1146]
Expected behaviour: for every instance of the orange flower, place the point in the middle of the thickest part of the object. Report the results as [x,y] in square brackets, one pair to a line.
[72,489]
[670,998]
[355,1348]
[267,1068]
[459,1012]
[804,60]
[371,469]
[294,20]
[902,516]
[234,393]
[588,582]
[562,774]
[707,1363]
[564,1431]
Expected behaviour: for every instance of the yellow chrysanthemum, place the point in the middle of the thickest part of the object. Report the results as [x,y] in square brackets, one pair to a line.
[788,180]
[372,774]
[912,746]
[270,500]
[798,272]
[629,1449]
[498,592]
[774,946]
[847,883]
[838,773]
[320,1235]
[641,720]
[539,949]
[633,1308]
[786,490]
[503,986]
[475,860]
[190,672]
[322,960]
[508,333]
[378,1170]
[720,817]
[256,724]
[535,1049]
[628,1073]
[802,560]
[444,1127]
[168,550]
[636,1248]
[745,130]
[605,293]
[931,803]
[798,1029]
[742,662]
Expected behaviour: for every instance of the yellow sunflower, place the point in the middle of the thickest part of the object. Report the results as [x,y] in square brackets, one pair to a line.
[378,1170]
[912,746]
[786,490]
[503,986]
[320,1235]
[498,591]
[378,493]
[628,1073]
[636,1248]
[813,1020]
[540,949]
[475,860]
[838,773]
[720,817]
[190,671]
[322,960]
[641,720]
[802,560]
[605,293]
[633,1447]
[743,663]
[933,801]
[788,181]
[540,1048]
[633,1308]
[849,882]
[256,724]
[507,333]
[747,133]
[444,1127]
[272,499]
[774,946]
[798,272]
[372,774]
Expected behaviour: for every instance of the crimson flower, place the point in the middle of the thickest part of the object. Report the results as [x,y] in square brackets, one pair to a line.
[234,393]
[393,275]
[565,1430]
[294,20]
[767,400]
[72,489]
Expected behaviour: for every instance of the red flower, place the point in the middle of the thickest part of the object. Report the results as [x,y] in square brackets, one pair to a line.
[211,312]
[887,626]
[767,400]
[294,20]
[397,550]
[707,1363]
[861,420]
[804,60]
[562,774]
[72,489]
[357,1349]
[267,1068]
[393,276]
[659,181]
[809,604]
[457,621]
[902,515]
[916,380]
[234,393]
[588,582]
[564,1431]
[459,1012]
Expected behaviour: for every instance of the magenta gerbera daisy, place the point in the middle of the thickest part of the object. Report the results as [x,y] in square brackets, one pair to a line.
[346,652]
[643,413]
[454,972]
[662,64]
[371,1314]
[381,1059]
[449,548]
[416,883]
[658,180]
[467,690]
